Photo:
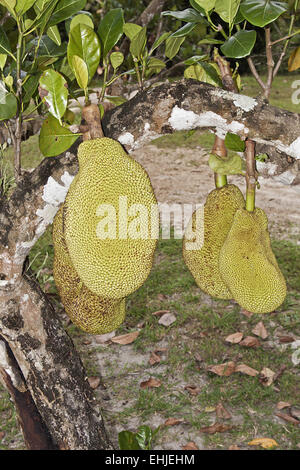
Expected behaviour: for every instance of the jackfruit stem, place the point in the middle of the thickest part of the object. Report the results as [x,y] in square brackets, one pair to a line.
[220,150]
[92,117]
[251,175]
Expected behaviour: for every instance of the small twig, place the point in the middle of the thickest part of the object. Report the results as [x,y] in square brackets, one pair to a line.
[255,73]
[270,62]
[279,373]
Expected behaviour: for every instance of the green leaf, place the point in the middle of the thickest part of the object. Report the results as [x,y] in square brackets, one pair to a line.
[138,43]
[81,71]
[185,30]
[239,45]
[4,43]
[210,40]
[234,142]
[262,12]
[144,437]
[233,165]
[205,5]
[203,72]
[55,139]
[116,59]
[84,43]
[44,10]
[30,87]
[154,65]
[53,34]
[172,46]
[10,5]
[116,100]
[64,9]
[227,10]
[3,58]
[195,4]
[57,97]
[128,441]
[159,41]
[262,157]
[189,15]
[131,30]
[8,103]
[81,19]
[111,29]
[23,5]
[195,59]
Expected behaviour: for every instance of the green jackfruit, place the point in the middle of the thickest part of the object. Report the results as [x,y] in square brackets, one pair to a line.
[92,313]
[110,263]
[248,265]
[219,210]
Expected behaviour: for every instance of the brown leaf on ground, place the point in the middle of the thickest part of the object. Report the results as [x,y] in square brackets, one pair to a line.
[193,390]
[167,319]
[159,313]
[154,358]
[286,339]
[2,434]
[295,412]
[282,404]
[217,427]
[173,421]
[287,418]
[260,330]
[235,338]
[94,382]
[234,447]
[266,377]
[250,342]
[264,442]
[197,357]
[161,297]
[223,370]
[221,412]
[244,369]
[151,383]
[190,446]
[126,339]
[246,313]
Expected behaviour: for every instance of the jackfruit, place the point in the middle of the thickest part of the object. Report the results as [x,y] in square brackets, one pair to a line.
[91,313]
[203,263]
[248,265]
[109,182]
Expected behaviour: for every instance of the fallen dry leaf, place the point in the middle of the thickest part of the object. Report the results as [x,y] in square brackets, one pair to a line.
[94,382]
[192,389]
[197,357]
[217,427]
[151,383]
[250,342]
[221,412]
[223,370]
[234,447]
[235,338]
[154,358]
[266,377]
[286,339]
[246,313]
[173,421]
[282,404]
[264,442]
[287,418]
[295,412]
[101,339]
[167,319]
[244,369]
[159,313]
[161,297]
[126,339]
[2,434]
[210,409]
[190,446]
[260,330]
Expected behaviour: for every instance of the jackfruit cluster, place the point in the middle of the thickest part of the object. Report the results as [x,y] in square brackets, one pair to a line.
[236,260]
[91,313]
[219,210]
[248,265]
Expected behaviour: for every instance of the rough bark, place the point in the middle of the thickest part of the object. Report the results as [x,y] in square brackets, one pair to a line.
[49,363]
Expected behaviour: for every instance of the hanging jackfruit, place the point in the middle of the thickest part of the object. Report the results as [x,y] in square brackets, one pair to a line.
[111,211]
[219,210]
[248,265]
[92,313]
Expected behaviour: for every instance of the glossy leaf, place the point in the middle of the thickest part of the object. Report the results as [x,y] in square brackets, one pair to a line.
[227,9]
[57,97]
[239,45]
[159,41]
[131,30]
[81,71]
[84,43]
[206,5]
[262,12]
[185,30]
[81,19]
[23,5]
[210,40]
[30,87]
[10,5]
[8,103]
[204,72]
[55,139]
[128,441]
[189,15]
[111,29]
[64,9]
[47,47]
[3,58]
[232,165]
[116,59]
[4,42]
[172,46]
[196,5]
[44,10]
[294,60]
[195,59]
[234,142]
[138,43]
[53,34]
[156,64]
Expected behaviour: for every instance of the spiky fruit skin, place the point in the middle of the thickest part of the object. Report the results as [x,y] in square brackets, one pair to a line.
[91,313]
[112,268]
[248,265]
[219,210]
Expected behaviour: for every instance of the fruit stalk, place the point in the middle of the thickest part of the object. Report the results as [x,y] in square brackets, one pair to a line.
[251,175]
[93,128]
[220,150]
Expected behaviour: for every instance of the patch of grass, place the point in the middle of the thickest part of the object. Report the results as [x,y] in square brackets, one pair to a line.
[31,155]
[12,438]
